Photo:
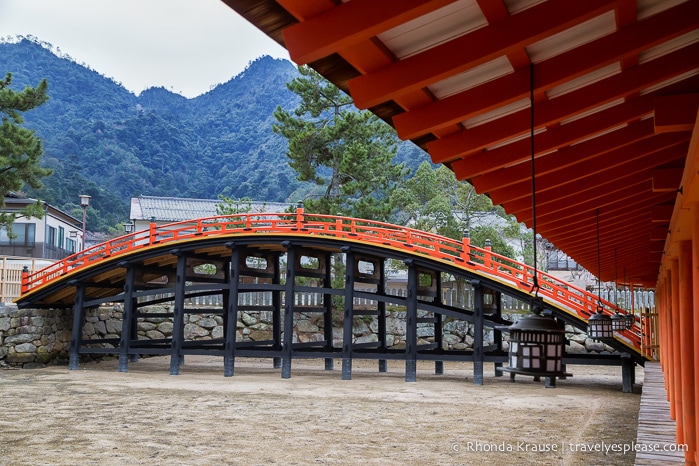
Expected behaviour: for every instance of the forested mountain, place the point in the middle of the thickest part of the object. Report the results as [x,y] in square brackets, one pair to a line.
[100,139]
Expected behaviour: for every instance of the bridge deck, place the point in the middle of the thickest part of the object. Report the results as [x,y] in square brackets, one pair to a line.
[101,273]
[654,424]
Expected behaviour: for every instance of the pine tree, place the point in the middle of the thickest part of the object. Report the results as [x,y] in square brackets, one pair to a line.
[20,148]
[346,152]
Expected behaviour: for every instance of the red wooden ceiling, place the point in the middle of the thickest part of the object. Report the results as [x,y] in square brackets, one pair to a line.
[615,86]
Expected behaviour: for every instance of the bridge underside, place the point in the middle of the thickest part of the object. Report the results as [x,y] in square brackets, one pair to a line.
[348,281]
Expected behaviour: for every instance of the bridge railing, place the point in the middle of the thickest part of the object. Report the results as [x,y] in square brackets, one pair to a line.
[577,301]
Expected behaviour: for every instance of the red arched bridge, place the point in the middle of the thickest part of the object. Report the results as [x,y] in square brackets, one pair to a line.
[231,256]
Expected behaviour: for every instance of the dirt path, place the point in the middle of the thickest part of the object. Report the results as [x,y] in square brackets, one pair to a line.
[96,415]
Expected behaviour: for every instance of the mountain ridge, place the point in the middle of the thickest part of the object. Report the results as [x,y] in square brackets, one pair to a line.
[105,141]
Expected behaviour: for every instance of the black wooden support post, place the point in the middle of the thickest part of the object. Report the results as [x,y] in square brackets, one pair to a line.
[288,334]
[78,317]
[438,365]
[411,324]
[477,332]
[127,320]
[277,314]
[628,372]
[383,364]
[348,316]
[231,313]
[134,330]
[497,334]
[328,312]
[178,316]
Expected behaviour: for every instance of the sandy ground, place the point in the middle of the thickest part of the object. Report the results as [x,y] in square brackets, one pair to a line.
[97,415]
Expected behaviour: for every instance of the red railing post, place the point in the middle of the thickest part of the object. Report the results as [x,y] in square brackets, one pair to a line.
[152,232]
[338,228]
[466,240]
[299,215]
[25,279]
[487,258]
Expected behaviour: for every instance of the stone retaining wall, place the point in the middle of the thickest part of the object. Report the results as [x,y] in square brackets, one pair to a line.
[42,336]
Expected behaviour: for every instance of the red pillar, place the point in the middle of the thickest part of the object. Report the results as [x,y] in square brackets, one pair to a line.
[695,303]
[686,330]
[668,357]
[676,367]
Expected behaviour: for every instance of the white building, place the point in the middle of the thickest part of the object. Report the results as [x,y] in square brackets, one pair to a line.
[54,236]
[161,210]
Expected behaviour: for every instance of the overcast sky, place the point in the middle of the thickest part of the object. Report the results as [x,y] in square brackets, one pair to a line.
[186,46]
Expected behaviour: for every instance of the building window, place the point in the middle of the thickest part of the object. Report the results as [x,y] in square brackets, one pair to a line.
[51,236]
[71,245]
[23,235]
[61,237]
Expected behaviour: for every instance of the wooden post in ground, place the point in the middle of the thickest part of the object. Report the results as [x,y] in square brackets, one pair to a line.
[687,349]
[676,367]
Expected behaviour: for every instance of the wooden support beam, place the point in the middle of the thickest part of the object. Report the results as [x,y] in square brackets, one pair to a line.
[348,316]
[662,213]
[626,42]
[230,318]
[660,233]
[622,85]
[349,24]
[601,173]
[478,353]
[676,367]
[470,50]
[127,322]
[686,334]
[289,290]
[176,355]
[77,335]
[411,323]
[555,152]
[276,312]
[383,363]
[438,365]
[667,179]
[676,113]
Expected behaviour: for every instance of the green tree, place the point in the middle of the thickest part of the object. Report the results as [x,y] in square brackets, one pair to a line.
[480,234]
[20,148]
[434,200]
[231,206]
[424,203]
[346,152]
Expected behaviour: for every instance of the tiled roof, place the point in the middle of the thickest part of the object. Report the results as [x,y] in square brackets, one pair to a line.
[176,209]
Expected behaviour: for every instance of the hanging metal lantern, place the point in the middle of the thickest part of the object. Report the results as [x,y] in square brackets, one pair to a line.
[630,320]
[618,322]
[536,347]
[599,325]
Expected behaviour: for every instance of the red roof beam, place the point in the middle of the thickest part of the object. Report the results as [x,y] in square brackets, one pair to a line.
[476,48]
[676,112]
[349,24]
[568,222]
[549,73]
[620,140]
[596,186]
[667,179]
[635,198]
[632,229]
[624,256]
[627,83]
[634,158]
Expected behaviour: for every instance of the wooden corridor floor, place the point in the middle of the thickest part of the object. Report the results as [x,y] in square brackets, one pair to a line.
[655,428]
